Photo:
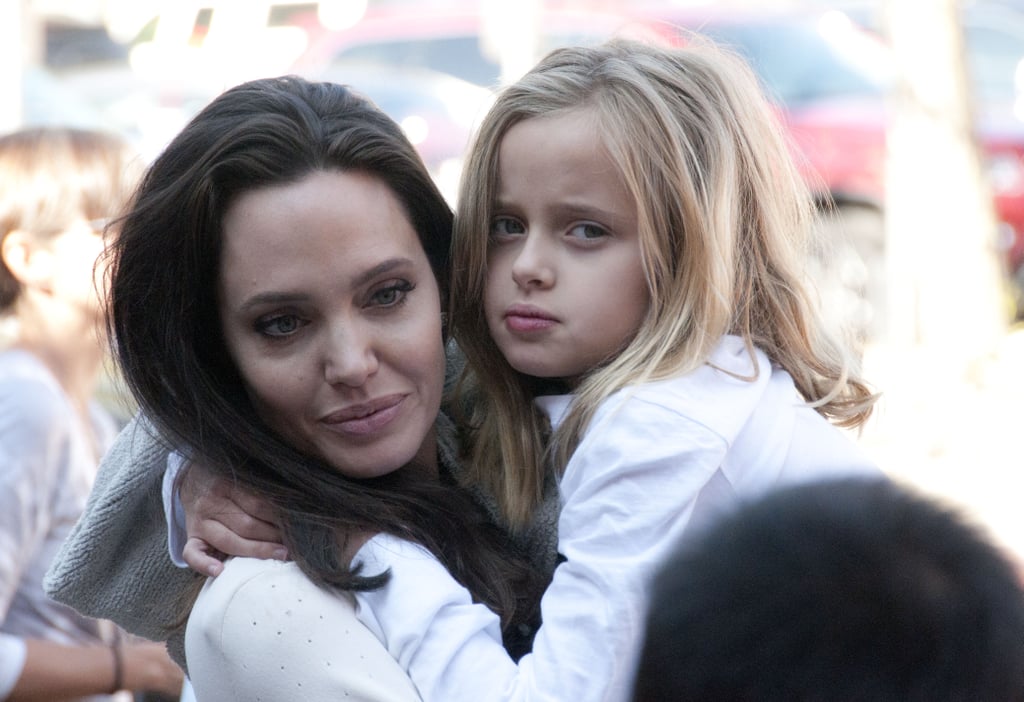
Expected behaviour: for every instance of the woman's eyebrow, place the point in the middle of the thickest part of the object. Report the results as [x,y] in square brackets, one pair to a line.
[271,298]
[280,297]
[382,268]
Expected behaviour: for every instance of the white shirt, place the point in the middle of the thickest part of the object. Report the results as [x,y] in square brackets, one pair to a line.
[47,467]
[657,460]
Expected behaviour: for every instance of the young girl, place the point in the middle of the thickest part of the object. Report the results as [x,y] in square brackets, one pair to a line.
[632,222]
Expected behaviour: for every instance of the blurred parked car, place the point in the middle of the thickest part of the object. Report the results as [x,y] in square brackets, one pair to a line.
[831,78]
[451,38]
[432,70]
[993,32]
[437,111]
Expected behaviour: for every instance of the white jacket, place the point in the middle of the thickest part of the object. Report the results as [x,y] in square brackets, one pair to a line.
[657,461]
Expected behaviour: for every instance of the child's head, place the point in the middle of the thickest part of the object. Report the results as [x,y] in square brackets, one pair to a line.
[688,166]
[848,590]
[716,201]
[566,286]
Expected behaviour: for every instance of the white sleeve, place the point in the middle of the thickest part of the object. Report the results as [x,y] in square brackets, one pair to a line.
[174,511]
[261,630]
[12,661]
[35,440]
[629,492]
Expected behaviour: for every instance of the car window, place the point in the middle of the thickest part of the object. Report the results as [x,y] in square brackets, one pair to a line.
[994,57]
[796,63]
[458,56]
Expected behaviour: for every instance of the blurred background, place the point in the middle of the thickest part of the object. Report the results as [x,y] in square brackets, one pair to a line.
[907,117]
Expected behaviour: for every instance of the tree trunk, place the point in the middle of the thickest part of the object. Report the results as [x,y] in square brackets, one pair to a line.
[944,278]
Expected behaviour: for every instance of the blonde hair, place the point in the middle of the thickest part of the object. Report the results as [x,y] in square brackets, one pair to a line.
[52,176]
[724,219]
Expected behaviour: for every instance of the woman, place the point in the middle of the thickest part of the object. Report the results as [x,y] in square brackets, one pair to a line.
[58,187]
[276,295]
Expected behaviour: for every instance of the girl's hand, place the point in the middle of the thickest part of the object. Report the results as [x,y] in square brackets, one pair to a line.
[222,519]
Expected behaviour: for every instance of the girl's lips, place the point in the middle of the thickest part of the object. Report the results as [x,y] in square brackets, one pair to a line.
[365,419]
[524,319]
[520,323]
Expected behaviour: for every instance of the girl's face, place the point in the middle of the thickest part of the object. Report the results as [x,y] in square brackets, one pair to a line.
[565,281]
[331,311]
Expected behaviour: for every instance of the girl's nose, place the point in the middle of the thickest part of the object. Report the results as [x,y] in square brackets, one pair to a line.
[533,267]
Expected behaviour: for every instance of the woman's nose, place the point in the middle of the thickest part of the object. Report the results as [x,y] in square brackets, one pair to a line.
[350,358]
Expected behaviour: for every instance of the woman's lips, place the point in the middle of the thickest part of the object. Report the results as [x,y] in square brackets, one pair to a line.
[365,419]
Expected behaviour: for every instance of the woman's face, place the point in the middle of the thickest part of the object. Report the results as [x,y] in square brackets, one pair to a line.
[331,311]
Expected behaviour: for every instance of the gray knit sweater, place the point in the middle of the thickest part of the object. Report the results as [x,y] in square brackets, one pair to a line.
[115,563]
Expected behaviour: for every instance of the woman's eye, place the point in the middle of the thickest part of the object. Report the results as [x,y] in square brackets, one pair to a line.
[391,294]
[588,232]
[280,325]
[506,226]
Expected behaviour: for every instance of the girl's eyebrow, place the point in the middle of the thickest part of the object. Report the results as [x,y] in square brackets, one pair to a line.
[571,210]
[567,210]
[283,297]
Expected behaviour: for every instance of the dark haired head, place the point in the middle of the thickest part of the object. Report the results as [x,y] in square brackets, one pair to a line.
[167,334]
[166,259]
[839,591]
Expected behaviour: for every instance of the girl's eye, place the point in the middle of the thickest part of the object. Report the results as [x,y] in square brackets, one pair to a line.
[506,227]
[392,294]
[588,232]
[280,325]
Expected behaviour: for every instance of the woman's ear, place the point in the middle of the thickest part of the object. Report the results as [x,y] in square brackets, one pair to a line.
[30,262]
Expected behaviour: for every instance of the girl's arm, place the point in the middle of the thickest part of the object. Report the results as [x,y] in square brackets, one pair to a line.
[672,456]
[629,494]
[114,564]
[210,518]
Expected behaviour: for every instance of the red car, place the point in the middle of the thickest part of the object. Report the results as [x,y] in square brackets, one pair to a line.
[430,66]
[831,98]
[830,78]
[452,38]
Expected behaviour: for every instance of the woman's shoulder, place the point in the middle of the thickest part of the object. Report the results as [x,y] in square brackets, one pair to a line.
[268,586]
[262,627]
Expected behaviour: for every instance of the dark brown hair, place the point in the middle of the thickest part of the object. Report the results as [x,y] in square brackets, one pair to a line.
[167,334]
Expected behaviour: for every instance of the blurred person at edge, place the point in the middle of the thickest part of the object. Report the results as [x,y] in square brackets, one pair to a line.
[58,189]
[837,590]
